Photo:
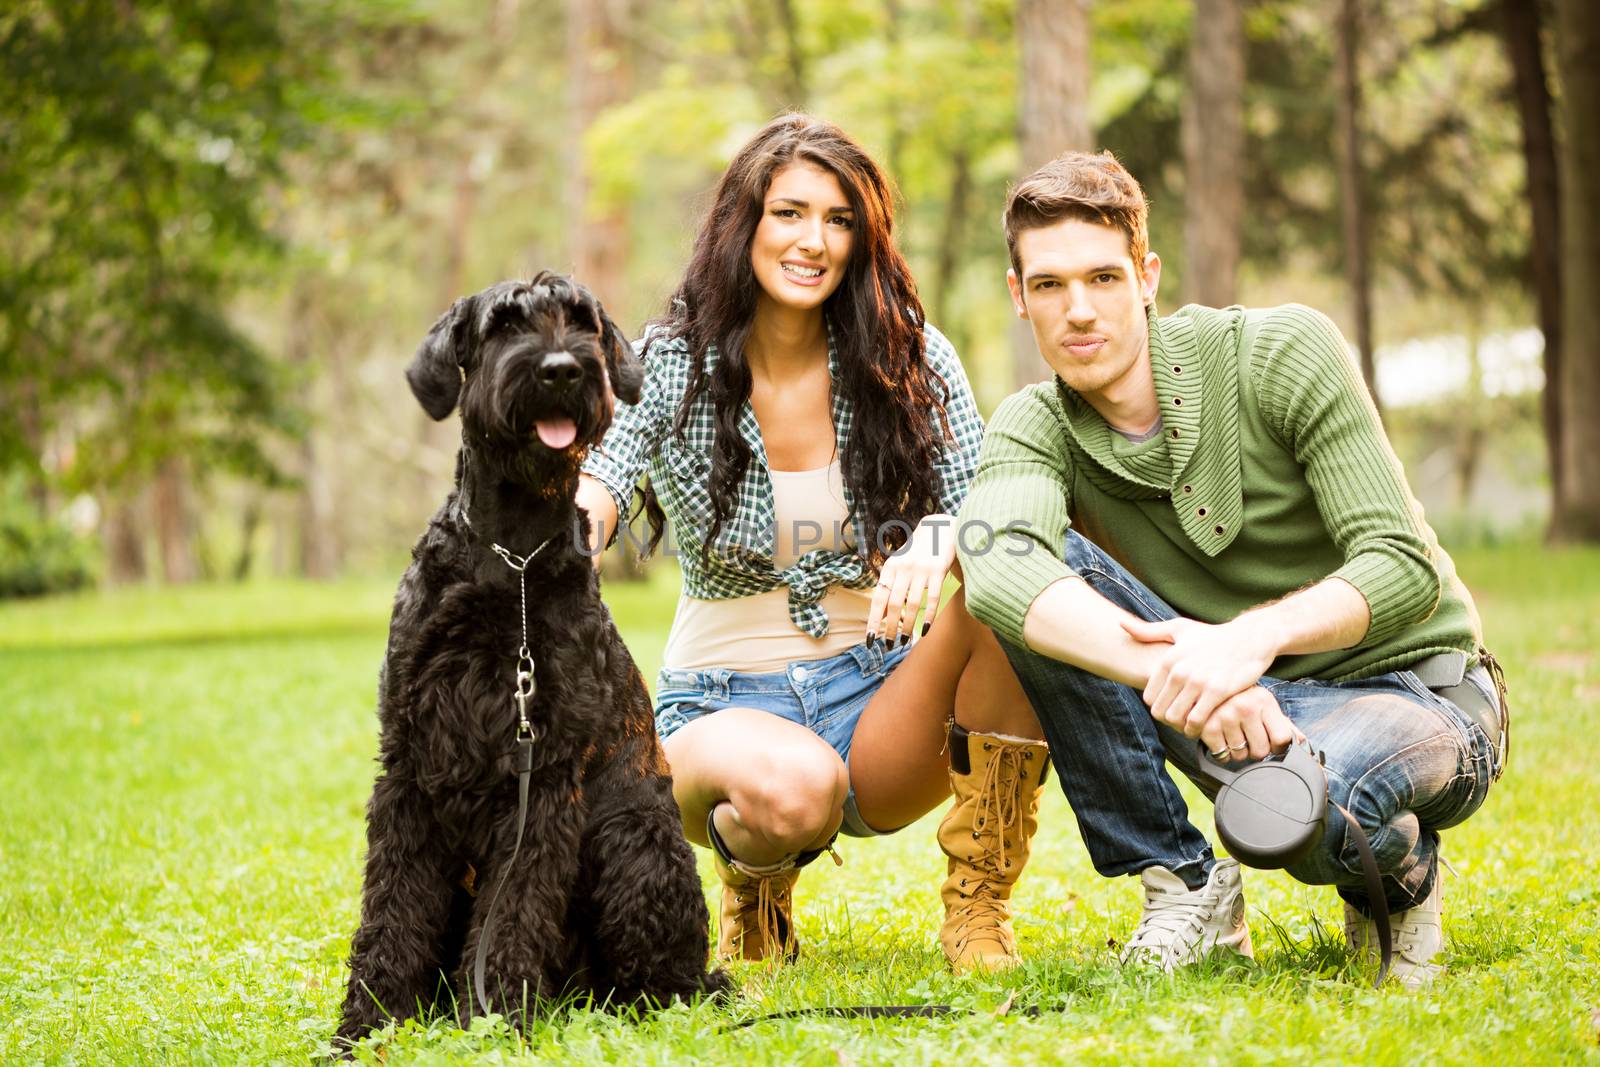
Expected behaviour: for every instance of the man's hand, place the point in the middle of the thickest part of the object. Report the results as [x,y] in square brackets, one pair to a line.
[1205,665]
[1248,725]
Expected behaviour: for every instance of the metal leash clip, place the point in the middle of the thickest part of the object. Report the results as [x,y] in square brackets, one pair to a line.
[526,687]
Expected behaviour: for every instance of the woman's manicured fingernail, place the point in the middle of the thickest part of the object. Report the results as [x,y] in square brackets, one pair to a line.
[872,639]
[925,626]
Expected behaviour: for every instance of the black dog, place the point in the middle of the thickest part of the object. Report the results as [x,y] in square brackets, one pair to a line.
[602,897]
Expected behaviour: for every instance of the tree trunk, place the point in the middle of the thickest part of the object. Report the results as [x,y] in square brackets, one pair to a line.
[600,73]
[1352,201]
[318,548]
[125,562]
[174,521]
[1213,153]
[1472,417]
[1578,57]
[1054,112]
[893,15]
[793,54]
[600,76]
[31,424]
[1052,117]
[500,32]
[951,235]
[249,523]
[1521,31]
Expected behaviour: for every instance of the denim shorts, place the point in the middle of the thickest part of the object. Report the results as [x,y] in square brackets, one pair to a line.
[826,696]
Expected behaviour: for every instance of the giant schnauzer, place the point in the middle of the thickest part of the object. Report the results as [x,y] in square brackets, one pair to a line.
[521,775]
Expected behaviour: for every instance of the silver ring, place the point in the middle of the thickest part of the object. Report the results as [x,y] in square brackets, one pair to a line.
[1219,753]
[1239,748]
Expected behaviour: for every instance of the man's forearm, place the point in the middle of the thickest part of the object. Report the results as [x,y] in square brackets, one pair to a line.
[1073,623]
[1324,617]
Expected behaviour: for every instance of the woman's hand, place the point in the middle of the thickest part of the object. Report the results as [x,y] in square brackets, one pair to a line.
[915,573]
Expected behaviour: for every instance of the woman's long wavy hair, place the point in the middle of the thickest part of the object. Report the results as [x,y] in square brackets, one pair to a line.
[899,426]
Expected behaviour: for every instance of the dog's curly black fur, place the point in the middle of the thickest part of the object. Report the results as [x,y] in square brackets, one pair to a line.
[603,898]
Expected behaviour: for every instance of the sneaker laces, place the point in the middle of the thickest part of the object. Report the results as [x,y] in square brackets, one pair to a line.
[1407,935]
[1168,917]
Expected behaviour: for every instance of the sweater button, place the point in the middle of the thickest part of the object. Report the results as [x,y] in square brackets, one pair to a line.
[1200,511]
[1173,433]
[1218,530]
[1188,489]
[1177,370]
[1177,401]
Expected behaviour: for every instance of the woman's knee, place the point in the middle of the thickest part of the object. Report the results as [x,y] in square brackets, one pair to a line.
[791,798]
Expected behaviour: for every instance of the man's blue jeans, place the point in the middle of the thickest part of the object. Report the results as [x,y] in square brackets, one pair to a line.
[1405,762]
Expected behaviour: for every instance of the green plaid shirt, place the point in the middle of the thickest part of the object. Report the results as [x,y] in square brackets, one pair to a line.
[740,562]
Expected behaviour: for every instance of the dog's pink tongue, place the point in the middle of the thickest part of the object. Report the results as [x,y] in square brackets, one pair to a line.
[556,433]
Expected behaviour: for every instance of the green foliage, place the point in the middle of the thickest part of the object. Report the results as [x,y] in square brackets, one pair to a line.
[142,147]
[37,555]
[185,777]
[227,224]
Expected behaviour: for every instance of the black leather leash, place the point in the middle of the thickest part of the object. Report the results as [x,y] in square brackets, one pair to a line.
[859,1011]
[524,765]
[527,685]
[1380,917]
[1375,895]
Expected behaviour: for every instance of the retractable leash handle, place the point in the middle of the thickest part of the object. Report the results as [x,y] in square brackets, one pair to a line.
[1270,815]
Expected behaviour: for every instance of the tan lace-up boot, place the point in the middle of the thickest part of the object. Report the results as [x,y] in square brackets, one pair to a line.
[757,916]
[985,834]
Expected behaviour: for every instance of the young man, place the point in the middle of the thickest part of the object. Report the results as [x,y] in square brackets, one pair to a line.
[1202,532]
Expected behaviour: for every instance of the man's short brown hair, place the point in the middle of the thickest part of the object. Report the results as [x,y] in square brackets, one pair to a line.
[1079,185]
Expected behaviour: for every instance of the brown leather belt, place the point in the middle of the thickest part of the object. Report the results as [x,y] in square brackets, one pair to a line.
[1444,674]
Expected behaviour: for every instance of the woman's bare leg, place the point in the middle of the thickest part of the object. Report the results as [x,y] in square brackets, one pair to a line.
[897,765]
[777,788]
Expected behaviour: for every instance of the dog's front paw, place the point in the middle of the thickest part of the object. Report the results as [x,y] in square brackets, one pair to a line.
[344,1041]
[511,999]
[718,986]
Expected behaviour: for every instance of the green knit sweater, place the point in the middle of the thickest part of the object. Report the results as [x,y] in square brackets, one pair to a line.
[1272,472]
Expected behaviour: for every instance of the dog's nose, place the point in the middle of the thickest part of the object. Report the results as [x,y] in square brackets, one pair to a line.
[559,371]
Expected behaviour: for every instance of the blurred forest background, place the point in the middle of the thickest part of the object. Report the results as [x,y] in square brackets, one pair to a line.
[225,224]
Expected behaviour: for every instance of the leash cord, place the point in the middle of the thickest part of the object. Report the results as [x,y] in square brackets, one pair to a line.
[1375,895]
[1376,898]
[524,771]
[865,1011]
[525,688]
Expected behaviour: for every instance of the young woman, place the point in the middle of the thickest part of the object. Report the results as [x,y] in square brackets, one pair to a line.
[810,437]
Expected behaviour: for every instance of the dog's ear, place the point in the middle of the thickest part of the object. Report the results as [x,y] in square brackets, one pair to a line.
[627,373]
[622,366]
[436,370]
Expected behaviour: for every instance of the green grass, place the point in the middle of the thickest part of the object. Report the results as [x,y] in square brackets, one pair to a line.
[182,781]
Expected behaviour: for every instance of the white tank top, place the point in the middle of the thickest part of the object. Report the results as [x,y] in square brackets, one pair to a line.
[754,634]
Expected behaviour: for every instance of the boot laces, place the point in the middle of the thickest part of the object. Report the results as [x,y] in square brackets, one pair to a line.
[765,914]
[999,806]
[984,911]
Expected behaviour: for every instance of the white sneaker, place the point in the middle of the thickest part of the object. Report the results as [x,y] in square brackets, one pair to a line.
[1182,925]
[1418,937]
